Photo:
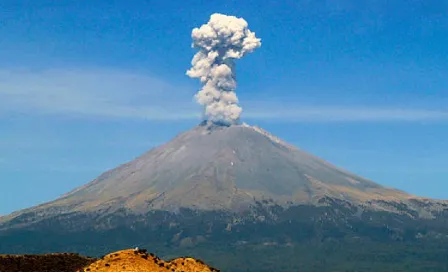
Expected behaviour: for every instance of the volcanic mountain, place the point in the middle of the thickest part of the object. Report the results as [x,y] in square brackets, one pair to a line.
[214,167]
[238,185]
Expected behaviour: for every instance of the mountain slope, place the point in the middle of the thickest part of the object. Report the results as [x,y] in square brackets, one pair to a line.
[215,167]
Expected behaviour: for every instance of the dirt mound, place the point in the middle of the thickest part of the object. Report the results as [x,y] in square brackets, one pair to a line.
[142,261]
[64,262]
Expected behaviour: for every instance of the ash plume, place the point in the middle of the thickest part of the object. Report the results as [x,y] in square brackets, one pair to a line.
[222,40]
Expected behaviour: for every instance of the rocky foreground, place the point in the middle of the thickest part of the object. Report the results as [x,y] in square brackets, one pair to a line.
[138,260]
[141,261]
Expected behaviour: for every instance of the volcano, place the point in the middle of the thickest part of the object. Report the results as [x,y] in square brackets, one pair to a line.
[238,185]
[218,167]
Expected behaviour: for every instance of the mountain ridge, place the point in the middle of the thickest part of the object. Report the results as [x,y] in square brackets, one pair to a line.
[229,168]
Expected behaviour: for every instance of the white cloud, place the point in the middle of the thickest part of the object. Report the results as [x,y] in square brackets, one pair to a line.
[93,92]
[346,114]
[122,94]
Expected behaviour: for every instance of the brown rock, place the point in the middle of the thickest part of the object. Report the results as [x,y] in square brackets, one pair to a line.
[139,261]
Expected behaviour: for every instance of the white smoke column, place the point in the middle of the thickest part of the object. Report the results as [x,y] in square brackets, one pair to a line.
[222,40]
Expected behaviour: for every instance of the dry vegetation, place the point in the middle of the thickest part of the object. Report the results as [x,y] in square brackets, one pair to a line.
[142,261]
[64,262]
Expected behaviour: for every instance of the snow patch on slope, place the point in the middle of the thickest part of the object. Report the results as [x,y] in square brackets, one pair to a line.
[271,137]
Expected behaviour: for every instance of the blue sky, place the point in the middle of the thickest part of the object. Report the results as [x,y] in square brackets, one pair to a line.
[87,85]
